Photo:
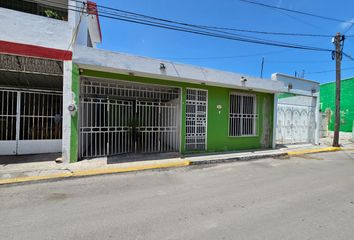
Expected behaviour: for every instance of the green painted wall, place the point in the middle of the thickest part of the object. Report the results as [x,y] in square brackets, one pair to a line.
[217,131]
[285,95]
[327,100]
[74,131]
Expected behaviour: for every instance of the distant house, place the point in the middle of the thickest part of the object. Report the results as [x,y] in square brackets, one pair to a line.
[327,102]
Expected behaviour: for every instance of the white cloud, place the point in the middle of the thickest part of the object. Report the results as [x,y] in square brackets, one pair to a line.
[346,25]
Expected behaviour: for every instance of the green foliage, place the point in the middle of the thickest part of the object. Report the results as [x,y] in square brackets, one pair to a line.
[52,14]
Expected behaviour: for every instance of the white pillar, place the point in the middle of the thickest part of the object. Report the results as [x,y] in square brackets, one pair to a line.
[317,117]
[67,100]
[275,120]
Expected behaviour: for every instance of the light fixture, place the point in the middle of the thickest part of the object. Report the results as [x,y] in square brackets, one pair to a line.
[290,86]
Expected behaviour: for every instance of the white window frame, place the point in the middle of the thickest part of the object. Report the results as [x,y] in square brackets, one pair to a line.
[255,115]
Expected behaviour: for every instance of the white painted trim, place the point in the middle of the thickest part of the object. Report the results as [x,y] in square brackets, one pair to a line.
[39,146]
[33,90]
[8,147]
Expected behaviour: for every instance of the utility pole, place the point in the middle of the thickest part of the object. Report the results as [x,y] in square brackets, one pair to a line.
[338,41]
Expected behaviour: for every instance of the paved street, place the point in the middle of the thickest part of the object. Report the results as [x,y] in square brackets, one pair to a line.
[309,197]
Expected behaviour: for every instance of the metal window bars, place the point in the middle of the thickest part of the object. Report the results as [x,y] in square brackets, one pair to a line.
[33,115]
[196,119]
[127,90]
[243,115]
[8,110]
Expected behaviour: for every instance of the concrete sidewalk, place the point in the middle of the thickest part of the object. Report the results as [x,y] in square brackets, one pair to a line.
[23,172]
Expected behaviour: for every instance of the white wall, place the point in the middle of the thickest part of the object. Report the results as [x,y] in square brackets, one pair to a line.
[102,60]
[25,28]
[300,86]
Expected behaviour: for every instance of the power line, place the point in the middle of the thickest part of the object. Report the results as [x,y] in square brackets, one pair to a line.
[219,28]
[223,57]
[296,11]
[208,32]
[327,71]
[134,15]
[214,27]
[348,56]
[272,33]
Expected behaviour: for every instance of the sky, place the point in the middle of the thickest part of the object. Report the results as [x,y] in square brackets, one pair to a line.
[230,55]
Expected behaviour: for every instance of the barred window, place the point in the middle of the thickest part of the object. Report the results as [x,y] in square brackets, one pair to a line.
[243,115]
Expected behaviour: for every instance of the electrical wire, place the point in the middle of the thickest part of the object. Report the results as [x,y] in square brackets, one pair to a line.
[327,71]
[210,33]
[296,11]
[222,57]
[348,56]
[214,27]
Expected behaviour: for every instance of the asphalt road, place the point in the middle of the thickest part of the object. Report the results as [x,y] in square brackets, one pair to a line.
[310,197]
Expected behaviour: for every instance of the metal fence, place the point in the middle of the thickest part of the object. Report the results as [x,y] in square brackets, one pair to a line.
[117,117]
[196,119]
[157,130]
[8,110]
[30,115]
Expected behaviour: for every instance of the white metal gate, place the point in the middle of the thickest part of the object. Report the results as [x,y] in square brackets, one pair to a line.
[158,127]
[103,124]
[30,122]
[296,124]
[117,117]
[196,119]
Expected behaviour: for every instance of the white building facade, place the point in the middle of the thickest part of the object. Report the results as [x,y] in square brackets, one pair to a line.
[36,71]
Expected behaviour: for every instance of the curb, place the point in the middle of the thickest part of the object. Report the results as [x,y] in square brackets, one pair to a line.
[92,172]
[302,152]
[235,159]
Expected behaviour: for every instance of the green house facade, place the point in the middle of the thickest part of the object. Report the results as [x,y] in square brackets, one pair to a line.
[327,104]
[127,105]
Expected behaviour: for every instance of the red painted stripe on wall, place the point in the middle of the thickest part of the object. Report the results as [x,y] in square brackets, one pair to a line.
[34,51]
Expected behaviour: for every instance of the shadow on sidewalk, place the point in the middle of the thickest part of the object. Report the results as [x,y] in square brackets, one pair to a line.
[17,159]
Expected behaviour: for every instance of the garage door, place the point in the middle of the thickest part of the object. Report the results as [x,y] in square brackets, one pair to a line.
[296,124]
